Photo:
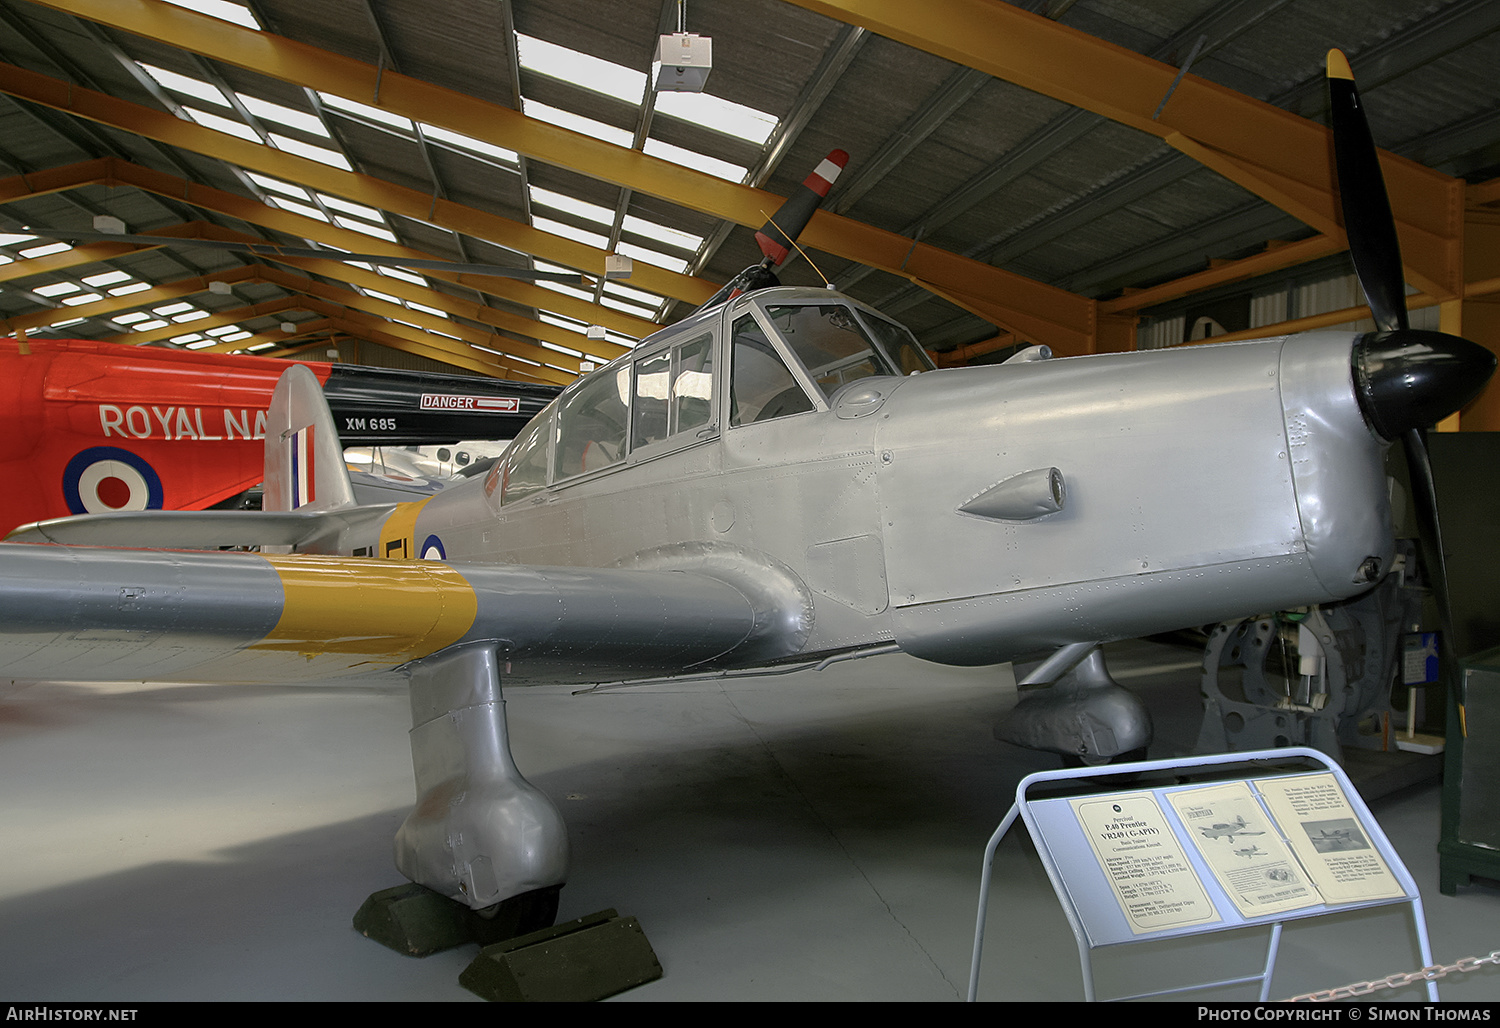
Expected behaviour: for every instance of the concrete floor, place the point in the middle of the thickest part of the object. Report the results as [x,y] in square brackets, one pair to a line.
[808,837]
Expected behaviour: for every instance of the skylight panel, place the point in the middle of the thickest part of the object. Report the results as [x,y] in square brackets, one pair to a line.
[630,293]
[81,298]
[577,123]
[359,210]
[478,146]
[56,289]
[234,337]
[222,330]
[718,114]
[221,9]
[134,287]
[219,123]
[558,287]
[580,69]
[547,266]
[171,308]
[426,309]
[316,153]
[147,326]
[45,250]
[12,238]
[572,205]
[6,260]
[661,233]
[628,308]
[343,106]
[130,318]
[259,347]
[187,85]
[697,161]
[190,316]
[289,116]
[363,226]
[558,321]
[191,337]
[405,276]
[660,260]
[202,344]
[561,349]
[387,297]
[578,235]
[303,209]
[275,185]
[107,278]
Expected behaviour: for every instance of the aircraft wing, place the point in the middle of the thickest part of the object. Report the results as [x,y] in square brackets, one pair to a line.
[95,614]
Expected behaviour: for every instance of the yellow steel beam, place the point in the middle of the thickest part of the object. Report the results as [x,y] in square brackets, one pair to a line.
[482,363]
[536,296]
[111,305]
[1281,157]
[377,330]
[115,173]
[1069,317]
[1274,258]
[1481,193]
[395,312]
[442,301]
[365,189]
[263,309]
[454,351]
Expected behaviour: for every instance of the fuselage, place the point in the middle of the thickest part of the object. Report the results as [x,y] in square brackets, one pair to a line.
[796,441]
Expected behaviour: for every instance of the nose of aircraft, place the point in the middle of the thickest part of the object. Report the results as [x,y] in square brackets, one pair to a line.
[1410,378]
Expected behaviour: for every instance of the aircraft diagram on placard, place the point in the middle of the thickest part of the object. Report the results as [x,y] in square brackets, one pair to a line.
[778,480]
[94,427]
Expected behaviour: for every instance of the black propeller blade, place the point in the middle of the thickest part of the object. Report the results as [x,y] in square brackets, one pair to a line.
[1367,210]
[273,250]
[1406,379]
[777,236]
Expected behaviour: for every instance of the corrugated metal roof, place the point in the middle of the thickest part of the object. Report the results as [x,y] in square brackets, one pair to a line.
[970,164]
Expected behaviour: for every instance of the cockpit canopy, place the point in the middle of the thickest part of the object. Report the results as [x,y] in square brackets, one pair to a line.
[772,354]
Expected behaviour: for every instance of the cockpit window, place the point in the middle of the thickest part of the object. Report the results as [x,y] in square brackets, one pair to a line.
[831,343]
[591,424]
[673,391]
[761,387]
[898,344]
[523,469]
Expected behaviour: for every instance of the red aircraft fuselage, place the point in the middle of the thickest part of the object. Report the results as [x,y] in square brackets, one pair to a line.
[89,427]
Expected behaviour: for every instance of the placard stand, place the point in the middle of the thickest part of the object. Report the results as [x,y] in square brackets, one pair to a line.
[1145,891]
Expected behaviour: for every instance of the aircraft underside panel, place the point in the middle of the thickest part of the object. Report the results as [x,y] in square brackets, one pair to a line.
[989,629]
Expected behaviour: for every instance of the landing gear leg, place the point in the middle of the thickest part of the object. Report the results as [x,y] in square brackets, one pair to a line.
[481,837]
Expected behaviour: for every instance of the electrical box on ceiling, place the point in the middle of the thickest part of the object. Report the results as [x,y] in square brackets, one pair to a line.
[683,61]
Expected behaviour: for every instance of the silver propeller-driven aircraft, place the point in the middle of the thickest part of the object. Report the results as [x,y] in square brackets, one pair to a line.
[779,479]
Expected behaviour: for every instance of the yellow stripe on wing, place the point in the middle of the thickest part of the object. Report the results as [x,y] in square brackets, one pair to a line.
[389,613]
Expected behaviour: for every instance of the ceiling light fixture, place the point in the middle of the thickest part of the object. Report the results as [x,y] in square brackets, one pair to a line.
[683,59]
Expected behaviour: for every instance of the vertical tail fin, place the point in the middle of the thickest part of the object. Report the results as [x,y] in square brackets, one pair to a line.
[304,458]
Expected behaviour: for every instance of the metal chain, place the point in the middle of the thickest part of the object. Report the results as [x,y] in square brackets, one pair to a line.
[1395,981]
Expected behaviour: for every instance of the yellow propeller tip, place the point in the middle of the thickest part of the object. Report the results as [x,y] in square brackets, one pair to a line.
[1338,66]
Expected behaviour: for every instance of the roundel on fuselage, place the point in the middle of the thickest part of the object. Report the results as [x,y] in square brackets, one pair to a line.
[102,479]
[432,549]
